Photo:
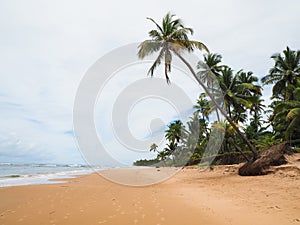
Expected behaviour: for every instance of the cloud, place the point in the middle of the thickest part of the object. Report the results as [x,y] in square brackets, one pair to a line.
[47,47]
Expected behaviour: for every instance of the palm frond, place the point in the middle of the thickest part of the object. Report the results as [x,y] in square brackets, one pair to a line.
[157,62]
[148,47]
[181,33]
[198,45]
[278,87]
[159,27]
[295,123]
[293,113]
[155,35]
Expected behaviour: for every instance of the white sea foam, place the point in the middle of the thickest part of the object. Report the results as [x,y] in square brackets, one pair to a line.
[30,174]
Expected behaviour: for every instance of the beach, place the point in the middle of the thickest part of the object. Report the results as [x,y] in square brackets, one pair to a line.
[216,195]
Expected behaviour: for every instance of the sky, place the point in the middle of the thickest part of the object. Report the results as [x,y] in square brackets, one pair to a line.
[46,48]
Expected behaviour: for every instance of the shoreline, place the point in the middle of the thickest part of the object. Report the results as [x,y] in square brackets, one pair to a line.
[40,178]
[214,196]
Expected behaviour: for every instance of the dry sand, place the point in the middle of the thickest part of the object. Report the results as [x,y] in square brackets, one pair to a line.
[214,196]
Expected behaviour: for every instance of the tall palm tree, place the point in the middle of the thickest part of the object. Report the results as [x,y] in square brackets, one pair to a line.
[239,92]
[293,117]
[212,62]
[165,39]
[246,81]
[288,112]
[172,38]
[284,74]
[197,134]
[257,109]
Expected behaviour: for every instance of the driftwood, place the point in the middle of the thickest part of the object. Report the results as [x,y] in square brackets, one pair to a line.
[272,156]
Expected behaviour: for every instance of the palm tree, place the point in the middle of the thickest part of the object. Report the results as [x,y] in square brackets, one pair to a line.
[172,38]
[284,74]
[212,61]
[171,35]
[239,92]
[170,150]
[257,109]
[288,112]
[293,117]
[203,107]
[162,155]
[153,147]
[209,76]
[175,131]
[197,134]
[246,82]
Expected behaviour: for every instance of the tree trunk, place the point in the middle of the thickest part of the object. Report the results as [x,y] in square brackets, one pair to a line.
[272,156]
[251,147]
[218,117]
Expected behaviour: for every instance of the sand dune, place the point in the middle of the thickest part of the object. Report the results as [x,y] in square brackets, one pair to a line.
[213,196]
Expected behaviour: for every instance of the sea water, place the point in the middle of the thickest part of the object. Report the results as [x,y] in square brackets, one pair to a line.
[29,174]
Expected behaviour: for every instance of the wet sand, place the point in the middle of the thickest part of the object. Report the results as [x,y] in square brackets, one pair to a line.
[214,196]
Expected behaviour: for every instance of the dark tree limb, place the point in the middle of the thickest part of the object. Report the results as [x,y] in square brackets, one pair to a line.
[272,156]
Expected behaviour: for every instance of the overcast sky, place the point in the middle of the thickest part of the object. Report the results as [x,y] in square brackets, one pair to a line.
[47,46]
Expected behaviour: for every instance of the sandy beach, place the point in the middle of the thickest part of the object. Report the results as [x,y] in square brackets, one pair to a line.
[216,195]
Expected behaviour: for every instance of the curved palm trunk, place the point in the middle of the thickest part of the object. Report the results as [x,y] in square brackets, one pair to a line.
[251,147]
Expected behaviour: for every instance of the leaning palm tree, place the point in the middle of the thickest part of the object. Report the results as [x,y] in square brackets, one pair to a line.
[167,39]
[172,38]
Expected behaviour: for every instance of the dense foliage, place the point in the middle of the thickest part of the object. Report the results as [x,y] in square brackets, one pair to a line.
[248,120]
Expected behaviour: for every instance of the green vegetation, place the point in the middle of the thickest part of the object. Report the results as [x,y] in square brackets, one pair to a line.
[145,162]
[250,126]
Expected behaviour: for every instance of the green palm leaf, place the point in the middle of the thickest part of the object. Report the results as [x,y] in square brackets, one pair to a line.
[148,47]
[293,113]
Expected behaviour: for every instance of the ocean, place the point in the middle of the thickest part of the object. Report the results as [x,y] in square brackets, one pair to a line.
[29,174]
